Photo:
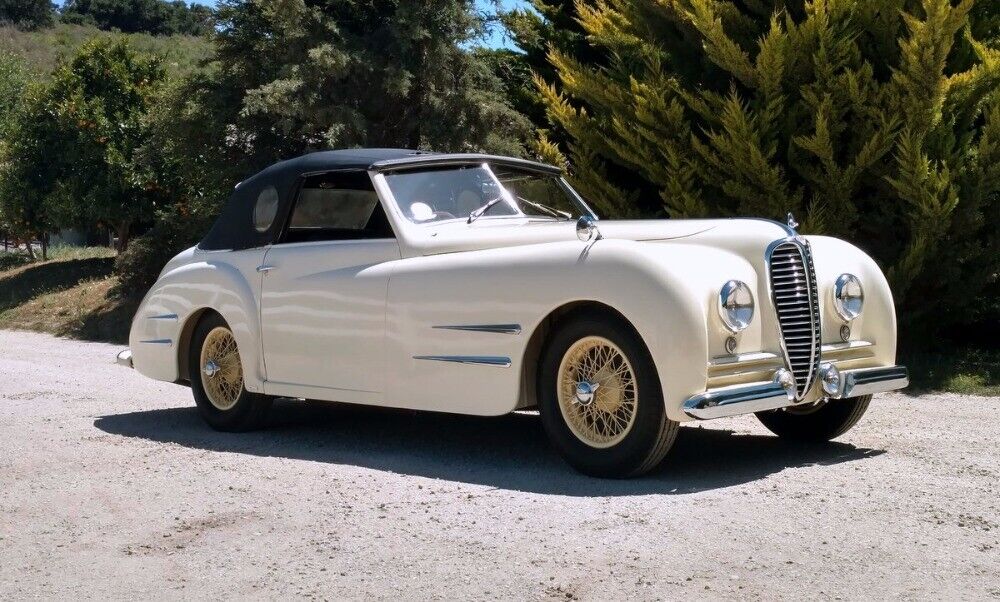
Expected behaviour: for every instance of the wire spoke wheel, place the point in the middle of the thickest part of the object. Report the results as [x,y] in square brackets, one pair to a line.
[597,391]
[221,371]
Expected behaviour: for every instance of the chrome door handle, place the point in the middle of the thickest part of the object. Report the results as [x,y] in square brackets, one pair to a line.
[264,268]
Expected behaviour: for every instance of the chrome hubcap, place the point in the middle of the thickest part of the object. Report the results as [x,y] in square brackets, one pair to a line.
[585,392]
[211,368]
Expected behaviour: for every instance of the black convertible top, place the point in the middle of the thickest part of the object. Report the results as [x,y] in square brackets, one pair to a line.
[234,230]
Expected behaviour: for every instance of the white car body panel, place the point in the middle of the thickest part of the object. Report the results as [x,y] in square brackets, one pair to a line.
[323,318]
[370,321]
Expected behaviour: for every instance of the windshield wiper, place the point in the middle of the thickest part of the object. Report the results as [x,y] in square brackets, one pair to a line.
[547,209]
[478,213]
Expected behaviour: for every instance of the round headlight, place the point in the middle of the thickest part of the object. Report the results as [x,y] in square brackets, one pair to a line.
[736,305]
[848,297]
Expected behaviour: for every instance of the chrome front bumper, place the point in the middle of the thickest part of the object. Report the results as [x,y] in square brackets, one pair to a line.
[769,395]
[124,358]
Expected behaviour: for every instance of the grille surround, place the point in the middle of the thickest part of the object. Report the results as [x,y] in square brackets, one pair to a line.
[792,278]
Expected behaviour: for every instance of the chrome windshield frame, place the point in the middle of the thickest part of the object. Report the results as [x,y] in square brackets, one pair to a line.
[572,195]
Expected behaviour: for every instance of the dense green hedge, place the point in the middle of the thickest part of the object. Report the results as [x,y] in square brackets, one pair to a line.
[873,120]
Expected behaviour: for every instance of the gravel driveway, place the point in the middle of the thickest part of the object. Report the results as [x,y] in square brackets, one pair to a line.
[111,486]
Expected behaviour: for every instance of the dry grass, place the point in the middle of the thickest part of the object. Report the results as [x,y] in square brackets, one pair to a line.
[67,296]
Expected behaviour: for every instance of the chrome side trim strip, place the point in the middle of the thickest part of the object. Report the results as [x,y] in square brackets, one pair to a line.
[163,317]
[482,360]
[158,341]
[867,381]
[496,328]
[124,358]
[741,358]
[832,347]
[733,401]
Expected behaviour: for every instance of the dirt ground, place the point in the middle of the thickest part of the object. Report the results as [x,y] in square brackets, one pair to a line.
[112,487]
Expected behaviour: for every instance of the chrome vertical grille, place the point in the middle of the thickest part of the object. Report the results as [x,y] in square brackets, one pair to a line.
[793,290]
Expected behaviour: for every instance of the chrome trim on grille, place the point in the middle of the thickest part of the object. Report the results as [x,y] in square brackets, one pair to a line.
[792,283]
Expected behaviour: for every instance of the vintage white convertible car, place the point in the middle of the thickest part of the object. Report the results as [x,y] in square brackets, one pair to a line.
[482,285]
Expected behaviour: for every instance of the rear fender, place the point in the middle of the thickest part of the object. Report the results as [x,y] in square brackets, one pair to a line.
[167,315]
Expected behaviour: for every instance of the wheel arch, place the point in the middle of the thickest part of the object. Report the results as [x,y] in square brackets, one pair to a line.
[184,339]
[531,364]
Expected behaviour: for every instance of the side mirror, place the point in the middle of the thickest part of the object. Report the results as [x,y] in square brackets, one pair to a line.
[586,229]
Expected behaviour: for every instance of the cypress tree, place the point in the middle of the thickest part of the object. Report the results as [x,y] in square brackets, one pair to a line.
[873,120]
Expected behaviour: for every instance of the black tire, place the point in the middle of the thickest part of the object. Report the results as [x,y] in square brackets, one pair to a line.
[250,409]
[828,421]
[651,434]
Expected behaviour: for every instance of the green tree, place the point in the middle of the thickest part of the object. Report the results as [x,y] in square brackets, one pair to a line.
[30,14]
[14,78]
[546,25]
[73,159]
[158,17]
[336,74]
[379,73]
[864,117]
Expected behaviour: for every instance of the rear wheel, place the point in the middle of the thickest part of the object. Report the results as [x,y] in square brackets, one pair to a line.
[600,399]
[217,379]
[821,422]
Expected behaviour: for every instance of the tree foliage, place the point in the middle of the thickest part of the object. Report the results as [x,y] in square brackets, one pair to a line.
[30,14]
[73,158]
[878,121]
[157,17]
[380,73]
[14,78]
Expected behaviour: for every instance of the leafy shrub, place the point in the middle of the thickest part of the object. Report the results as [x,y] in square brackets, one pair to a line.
[138,266]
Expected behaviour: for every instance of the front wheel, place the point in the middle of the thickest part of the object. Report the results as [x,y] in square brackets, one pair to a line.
[822,422]
[217,379]
[600,400]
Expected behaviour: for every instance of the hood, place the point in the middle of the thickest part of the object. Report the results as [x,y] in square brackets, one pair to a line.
[739,235]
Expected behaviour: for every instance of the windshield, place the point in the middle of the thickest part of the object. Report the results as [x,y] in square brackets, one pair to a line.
[483,191]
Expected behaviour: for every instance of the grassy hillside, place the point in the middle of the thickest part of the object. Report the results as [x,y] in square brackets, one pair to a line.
[42,49]
[67,295]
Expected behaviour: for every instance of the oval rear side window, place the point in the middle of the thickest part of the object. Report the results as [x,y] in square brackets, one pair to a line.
[265,209]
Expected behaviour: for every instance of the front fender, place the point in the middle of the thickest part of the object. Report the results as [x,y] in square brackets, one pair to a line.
[657,287]
[877,323]
[670,297]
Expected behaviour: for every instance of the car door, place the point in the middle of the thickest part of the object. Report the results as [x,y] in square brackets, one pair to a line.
[323,295]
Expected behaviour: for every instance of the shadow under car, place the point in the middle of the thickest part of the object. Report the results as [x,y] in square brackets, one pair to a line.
[506,452]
